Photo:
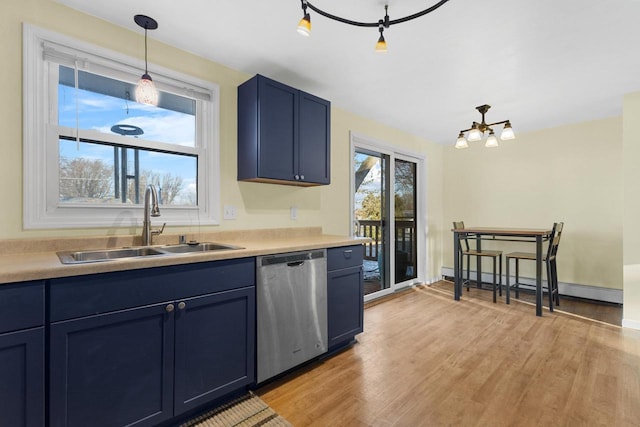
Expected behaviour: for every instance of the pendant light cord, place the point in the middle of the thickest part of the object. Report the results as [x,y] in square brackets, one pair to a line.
[146,71]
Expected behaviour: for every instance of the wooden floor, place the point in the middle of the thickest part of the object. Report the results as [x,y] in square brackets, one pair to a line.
[427,360]
[602,311]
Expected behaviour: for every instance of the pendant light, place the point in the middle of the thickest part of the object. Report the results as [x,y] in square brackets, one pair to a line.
[146,92]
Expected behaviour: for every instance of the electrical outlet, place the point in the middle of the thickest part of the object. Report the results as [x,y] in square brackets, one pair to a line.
[294,212]
[229,212]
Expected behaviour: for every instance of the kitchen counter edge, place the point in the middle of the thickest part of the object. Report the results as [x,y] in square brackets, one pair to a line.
[24,267]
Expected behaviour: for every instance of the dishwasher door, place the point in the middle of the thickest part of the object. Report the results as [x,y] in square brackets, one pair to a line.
[292,310]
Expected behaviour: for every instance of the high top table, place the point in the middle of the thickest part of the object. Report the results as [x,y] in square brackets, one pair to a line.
[534,235]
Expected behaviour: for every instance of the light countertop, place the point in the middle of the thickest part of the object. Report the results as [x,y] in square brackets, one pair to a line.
[24,260]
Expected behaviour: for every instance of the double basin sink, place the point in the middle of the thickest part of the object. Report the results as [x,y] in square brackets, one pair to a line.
[78,257]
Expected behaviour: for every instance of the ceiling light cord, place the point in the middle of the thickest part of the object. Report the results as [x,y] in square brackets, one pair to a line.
[146,64]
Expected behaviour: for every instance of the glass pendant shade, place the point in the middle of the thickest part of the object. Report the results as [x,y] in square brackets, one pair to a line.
[381,46]
[461,142]
[475,134]
[492,141]
[304,26]
[146,92]
[507,132]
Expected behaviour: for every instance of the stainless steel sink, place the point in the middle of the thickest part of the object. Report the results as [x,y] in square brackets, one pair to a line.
[188,248]
[107,254]
[78,257]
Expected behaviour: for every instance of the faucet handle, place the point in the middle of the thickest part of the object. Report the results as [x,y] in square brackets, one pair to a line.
[158,231]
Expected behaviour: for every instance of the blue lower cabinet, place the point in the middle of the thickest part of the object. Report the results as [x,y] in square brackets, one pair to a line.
[22,378]
[148,364]
[215,347]
[113,369]
[142,366]
[345,304]
[345,295]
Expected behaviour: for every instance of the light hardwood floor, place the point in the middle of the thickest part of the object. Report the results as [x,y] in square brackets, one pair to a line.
[426,360]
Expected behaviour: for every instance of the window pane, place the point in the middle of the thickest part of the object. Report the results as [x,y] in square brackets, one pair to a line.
[108,106]
[103,173]
[405,220]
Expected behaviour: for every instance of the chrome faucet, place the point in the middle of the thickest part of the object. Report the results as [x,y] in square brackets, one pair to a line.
[150,209]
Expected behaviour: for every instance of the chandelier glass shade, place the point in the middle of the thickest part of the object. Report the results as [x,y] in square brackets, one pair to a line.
[304,26]
[146,92]
[477,131]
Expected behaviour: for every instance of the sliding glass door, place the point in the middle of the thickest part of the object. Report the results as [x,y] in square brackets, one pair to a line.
[371,213]
[405,219]
[385,209]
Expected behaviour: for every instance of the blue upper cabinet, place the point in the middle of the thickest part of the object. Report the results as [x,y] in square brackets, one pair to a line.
[284,134]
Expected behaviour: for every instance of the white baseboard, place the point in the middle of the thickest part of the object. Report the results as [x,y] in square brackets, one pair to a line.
[631,324]
[569,289]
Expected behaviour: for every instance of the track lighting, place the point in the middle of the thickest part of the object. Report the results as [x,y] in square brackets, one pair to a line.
[304,26]
[477,130]
[146,92]
[381,46]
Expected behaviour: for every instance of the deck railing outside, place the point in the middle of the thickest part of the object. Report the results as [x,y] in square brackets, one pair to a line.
[405,238]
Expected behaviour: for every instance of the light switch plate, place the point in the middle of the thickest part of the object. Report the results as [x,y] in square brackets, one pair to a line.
[229,212]
[294,212]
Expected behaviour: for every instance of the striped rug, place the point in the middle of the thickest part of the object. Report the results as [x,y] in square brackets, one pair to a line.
[246,411]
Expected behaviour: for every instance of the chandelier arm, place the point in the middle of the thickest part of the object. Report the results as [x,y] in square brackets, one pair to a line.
[498,123]
[375,24]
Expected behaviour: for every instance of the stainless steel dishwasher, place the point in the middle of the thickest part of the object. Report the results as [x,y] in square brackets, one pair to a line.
[292,310]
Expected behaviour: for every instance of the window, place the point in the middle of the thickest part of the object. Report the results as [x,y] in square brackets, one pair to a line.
[91,150]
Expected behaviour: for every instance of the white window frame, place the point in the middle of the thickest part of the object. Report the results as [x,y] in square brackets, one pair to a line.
[41,207]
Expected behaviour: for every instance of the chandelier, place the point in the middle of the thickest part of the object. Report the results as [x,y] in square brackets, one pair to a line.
[477,131]
[304,26]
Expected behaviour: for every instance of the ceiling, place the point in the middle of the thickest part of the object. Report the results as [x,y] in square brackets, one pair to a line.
[538,63]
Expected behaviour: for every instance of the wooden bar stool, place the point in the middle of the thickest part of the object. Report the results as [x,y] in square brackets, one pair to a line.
[494,255]
[550,262]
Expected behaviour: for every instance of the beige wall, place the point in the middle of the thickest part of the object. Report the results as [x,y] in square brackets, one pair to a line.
[631,144]
[570,174]
[257,205]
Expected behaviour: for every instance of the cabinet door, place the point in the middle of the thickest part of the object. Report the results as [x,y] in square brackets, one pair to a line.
[314,139]
[215,350]
[113,369]
[22,378]
[278,130]
[345,304]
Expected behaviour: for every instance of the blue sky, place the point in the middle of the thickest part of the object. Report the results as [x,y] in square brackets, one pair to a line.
[100,112]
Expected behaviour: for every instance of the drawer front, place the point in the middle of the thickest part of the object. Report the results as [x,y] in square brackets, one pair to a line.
[344,257]
[100,293]
[21,306]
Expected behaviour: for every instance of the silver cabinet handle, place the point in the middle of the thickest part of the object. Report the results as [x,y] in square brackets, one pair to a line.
[297,177]
[181,305]
[301,176]
[169,308]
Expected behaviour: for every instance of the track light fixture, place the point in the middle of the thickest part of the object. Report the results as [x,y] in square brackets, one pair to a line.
[477,130]
[146,92]
[304,26]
